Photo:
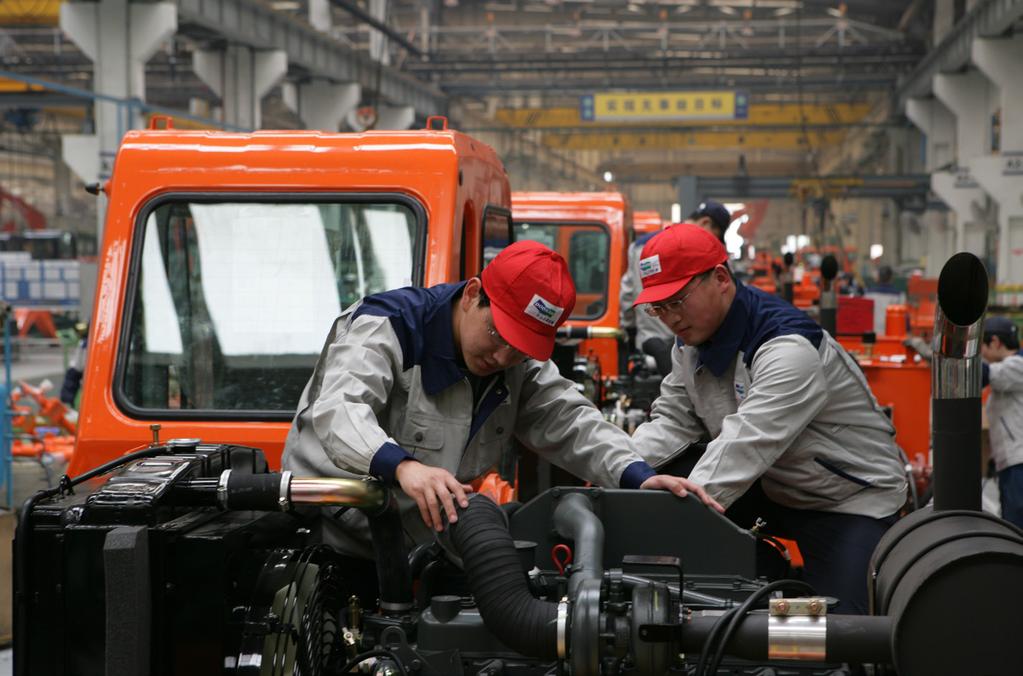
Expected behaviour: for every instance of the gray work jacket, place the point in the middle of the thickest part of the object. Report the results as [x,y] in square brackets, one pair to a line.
[387,387]
[780,401]
[1005,411]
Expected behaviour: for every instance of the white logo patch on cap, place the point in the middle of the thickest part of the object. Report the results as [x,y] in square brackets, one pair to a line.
[543,311]
[649,266]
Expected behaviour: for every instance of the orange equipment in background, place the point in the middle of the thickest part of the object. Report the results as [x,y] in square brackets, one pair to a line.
[921,295]
[644,222]
[592,231]
[900,380]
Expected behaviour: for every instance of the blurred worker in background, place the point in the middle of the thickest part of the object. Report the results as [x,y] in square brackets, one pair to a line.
[713,217]
[650,335]
[883,293]
[1003,371]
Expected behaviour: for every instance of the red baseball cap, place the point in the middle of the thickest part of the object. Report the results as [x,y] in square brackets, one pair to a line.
[531,294]
[673,257]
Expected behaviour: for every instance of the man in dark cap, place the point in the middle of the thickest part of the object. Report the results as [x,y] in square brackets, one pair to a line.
[713,217]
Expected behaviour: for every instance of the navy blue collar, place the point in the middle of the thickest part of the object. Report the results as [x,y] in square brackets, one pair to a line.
[718,352]
[439,366]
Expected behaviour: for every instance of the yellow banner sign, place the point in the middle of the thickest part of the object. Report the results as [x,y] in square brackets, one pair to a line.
[661,106]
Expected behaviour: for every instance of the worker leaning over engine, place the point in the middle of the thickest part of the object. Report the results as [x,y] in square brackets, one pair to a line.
[795,435]
[427,388]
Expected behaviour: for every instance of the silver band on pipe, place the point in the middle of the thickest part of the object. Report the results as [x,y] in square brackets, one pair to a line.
[284,500]
[222,489]
[797,638]
[563,629]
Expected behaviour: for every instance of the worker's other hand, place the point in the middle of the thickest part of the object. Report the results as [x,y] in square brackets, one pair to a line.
[432,487]
[680,487]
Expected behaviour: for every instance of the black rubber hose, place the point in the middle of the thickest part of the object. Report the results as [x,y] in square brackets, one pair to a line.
[258,492]
[520,621]
[393,573]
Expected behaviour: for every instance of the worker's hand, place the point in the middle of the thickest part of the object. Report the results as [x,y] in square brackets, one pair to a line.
[432,487]
[680,487]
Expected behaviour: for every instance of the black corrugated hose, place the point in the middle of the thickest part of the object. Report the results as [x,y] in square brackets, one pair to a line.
[521,621]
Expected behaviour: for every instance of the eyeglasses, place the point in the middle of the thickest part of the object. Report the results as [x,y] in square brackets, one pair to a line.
[500,342]
[673,306]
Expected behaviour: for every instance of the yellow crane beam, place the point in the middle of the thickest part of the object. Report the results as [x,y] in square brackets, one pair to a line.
[709,140]
[30,12]
[760,114]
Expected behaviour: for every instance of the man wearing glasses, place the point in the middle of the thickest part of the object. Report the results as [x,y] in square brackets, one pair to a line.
[795,435]
[427,388]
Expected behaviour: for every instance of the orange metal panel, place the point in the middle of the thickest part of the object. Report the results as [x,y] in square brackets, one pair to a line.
[449,173]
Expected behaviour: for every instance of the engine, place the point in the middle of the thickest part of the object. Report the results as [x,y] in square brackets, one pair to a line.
[195,559]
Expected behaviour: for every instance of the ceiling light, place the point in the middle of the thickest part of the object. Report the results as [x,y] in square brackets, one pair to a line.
[285,5]
[608,177]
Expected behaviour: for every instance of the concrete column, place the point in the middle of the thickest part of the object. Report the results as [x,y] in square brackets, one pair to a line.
[1002,176]
[944,19]
[322,104]
[966,95]
[241,76]
[938,124]
[378,41]
[940,240]
[1001,60]
[395,117]
[960,191]
[119,37]
[319,15]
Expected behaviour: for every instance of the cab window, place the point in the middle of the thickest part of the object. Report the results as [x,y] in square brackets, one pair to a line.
[232,300]
[586,248]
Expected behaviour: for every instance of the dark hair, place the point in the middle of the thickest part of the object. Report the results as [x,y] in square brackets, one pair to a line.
[483,299]
[885,274]
[1009,340]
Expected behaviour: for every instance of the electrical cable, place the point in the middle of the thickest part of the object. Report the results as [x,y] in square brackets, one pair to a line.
[739,615]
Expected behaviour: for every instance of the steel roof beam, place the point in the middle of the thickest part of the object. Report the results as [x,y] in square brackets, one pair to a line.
[255,24]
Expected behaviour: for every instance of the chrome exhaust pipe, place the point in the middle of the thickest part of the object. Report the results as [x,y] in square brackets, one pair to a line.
[956,383]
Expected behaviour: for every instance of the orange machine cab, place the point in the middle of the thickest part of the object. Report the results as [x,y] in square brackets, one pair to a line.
[592,231]
[644,222]
[227,256]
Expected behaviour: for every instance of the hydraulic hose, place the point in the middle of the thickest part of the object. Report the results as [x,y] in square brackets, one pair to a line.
[494,570]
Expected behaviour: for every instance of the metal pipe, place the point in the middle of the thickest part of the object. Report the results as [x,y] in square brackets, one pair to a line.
[862,639]
[956,382]
[359,493]
[574,519]
[829,297]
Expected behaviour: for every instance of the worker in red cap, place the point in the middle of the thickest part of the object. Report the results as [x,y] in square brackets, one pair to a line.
[793,434]
[427,388]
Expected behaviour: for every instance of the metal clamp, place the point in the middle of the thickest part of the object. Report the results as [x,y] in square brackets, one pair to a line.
[284,500]
[222,489]
[797,629]
[563,628]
